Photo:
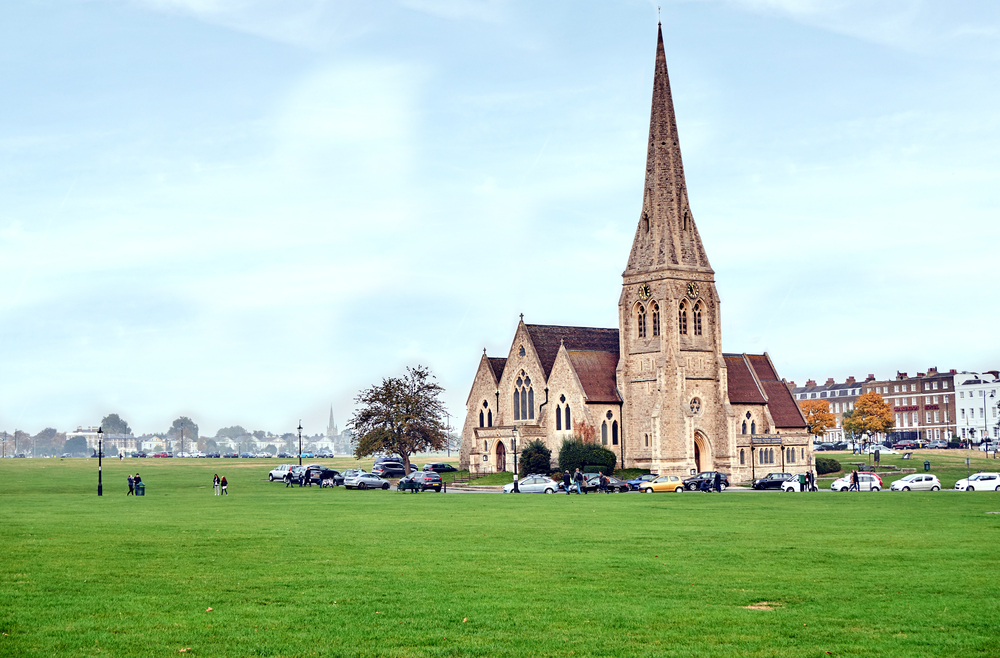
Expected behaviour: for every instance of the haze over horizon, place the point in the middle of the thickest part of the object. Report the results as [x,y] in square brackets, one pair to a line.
[244,212]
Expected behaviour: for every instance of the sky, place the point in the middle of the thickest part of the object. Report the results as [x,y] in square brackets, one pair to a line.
[247,211]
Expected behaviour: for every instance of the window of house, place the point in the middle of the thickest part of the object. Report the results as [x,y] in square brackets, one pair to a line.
[944,384]
[928,416]
[697,319]
[640,320]
[656,319]
[963,414]
[946,399]
[895,389]
[961,394]
[823,394]
[937,417]
[682,319]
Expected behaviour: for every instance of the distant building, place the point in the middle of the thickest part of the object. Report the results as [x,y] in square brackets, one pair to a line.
[841,398]
[978,397]
[923,406]
[111,443]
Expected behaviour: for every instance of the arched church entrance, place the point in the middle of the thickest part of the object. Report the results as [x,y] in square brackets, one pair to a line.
[501,456]
[702,453]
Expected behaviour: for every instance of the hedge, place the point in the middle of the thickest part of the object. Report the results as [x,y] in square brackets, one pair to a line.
[826,465]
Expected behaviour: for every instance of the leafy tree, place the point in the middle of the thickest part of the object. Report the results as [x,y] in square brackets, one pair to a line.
[233,432]
[190,430]
[535,458]
[271,449]
[818,416]
[260,435]
[76,446]
[49,441]
[402,416]
[872,415]
[114,424]
[574,454]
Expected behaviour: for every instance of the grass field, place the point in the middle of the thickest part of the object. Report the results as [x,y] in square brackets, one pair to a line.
[302,572]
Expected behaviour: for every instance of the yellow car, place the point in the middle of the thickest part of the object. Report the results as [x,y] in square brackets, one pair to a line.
[663,483]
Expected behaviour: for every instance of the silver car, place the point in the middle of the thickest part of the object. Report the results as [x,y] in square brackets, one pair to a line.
[916,482]
[365,481]
[534,484]
[979,482]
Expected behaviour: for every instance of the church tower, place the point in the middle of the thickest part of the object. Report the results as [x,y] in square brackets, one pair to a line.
[671,370]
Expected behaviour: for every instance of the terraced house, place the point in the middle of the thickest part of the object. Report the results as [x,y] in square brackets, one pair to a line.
[658,390]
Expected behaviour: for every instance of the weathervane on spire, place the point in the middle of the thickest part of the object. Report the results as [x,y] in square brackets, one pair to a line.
[658,15]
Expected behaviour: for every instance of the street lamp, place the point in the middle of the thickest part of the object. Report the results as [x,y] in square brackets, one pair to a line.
[514,447]
[100,450]
[986,431]
[300,442]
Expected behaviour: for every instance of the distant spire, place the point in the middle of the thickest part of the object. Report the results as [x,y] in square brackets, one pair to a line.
[666,235]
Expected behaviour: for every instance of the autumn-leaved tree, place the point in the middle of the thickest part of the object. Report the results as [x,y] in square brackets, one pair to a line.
[401,416]
[871,415]
[818,416]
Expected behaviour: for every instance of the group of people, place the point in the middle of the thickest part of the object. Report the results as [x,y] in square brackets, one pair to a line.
[303,478]
[220,486]
[132,481]
[579,481]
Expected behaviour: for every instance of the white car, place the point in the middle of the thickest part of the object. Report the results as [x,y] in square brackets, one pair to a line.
[880,449]
[979,482]
[279,473]
[866,482]
[365,481]
[534,484]
[916,482]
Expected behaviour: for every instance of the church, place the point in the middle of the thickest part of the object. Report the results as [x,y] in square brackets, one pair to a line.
[658,390]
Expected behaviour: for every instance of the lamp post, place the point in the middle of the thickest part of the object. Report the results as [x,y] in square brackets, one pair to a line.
[986,431]
[300,442]
[100,451]
[514,447]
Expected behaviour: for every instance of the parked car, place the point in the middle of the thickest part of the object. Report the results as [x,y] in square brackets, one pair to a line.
[771,481]
[389,470]
[671,483]
[440,467]
[937,445]
[327,477]
[979,482]
[792,485]
[279,472]
[866,482]
[916,482]
[635,484]
[353,471]
[988,446]
[614,484]
[365,481]
[693,483]
[871,449]
[421,481]
[905,444]
[534,484]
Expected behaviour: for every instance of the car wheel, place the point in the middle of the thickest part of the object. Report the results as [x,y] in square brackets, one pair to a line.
[875,489]
[937,488]
[385,486]
[270,478]
[722,487]
[646,490]
[549,491]
[679,490]
[970,489]
[692,487]
[906,488]
[362,486]
[618,489]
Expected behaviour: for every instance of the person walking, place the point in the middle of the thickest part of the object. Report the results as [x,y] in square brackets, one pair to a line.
[225,485]
[718,481]
[566,481]
[287,478]
[578,479]
[301,477]
[855,484]
[602,482]
[131,486]
[215,484]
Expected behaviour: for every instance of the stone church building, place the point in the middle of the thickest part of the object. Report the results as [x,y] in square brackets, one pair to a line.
[658,390]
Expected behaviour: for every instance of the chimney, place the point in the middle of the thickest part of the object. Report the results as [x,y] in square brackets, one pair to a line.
[920,374]
[791,384]
[810,383]
[900,375]
[829,381]
[952,372]
[851,381]
[932,371]
[870,378]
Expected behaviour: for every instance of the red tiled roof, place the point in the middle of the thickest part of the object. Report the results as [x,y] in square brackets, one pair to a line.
[546,338]
[596,371]
[762,366]
[783,409]
[497,364]
[743,387]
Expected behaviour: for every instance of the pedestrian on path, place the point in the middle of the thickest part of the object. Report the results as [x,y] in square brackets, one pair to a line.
[855,484]
[131,486]
[566,481]
[578,479]
[288,478]
[225,484]
[215,484]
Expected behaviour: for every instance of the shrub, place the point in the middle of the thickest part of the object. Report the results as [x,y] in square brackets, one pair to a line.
[535,458]
[575,454]
[826,465]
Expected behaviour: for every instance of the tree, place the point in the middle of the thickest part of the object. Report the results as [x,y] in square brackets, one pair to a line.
[49,441]
[536,458]
[402,416]
[818,416]
[574,454]
[271,449]
[76,446]
[114,424]
[260,435]
[190,430]
[233,432]
[871,415]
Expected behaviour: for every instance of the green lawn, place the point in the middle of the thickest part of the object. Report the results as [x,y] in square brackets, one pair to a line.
[300,572]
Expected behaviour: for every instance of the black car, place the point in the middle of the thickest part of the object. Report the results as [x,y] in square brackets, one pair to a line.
[693,483]
[319,475]
[771,481]
[614,484]
[440,467]
[389,470]
[423,480]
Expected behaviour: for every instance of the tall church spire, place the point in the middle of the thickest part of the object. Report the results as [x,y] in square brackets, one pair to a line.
[666,236]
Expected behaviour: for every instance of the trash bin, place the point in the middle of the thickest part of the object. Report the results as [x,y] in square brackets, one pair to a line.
[140,489]
[927,465]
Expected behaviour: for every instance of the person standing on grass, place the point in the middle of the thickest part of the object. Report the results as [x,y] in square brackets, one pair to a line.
[137,479]
[131,486]
[224,484]
[578,479]
[215,484]
[566,481]
[718,481]
[288,478]
[855,484]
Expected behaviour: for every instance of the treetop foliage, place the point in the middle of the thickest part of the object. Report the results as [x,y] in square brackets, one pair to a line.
[114,424]
[872,415]
[818,416]
[189,426]
[401,416]
[233,432]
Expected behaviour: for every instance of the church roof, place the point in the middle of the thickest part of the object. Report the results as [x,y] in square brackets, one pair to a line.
[752,380]
[597,373]
[497,364]
[666,235]
[546,339]
[743,388]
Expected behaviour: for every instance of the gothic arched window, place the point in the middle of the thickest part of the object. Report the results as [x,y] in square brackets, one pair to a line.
[568,424]
[481,419]
[753,427]
[604,433]
[682,319]
[656,319]
[558,418]
[697,319]
[640,320]
[524,398]
[742,457]
[489,418]
[791,456]
[614,433]
[744,427]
